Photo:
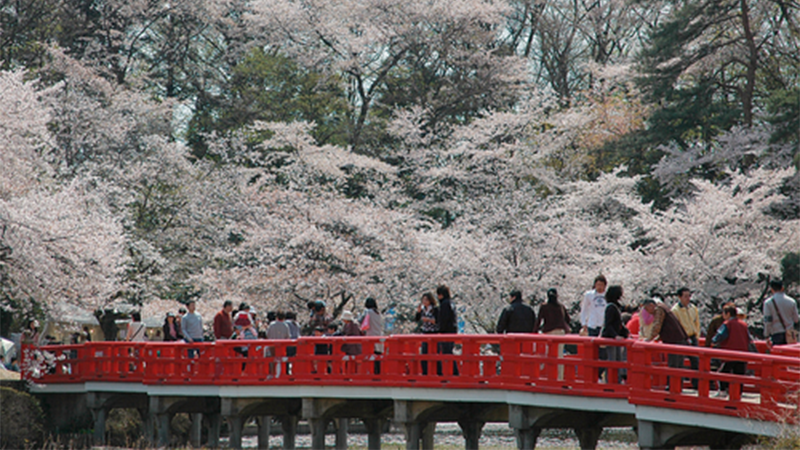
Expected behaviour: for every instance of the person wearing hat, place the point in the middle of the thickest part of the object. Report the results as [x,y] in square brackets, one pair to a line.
[350,328]
[517,317]
[171,330]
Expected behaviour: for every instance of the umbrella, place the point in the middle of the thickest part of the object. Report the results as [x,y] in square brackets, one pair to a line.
[6,350]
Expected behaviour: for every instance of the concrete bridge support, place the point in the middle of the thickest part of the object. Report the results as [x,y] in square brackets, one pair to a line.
[101,403]
[238,410]
[528,421]
[657,435]
[289,427]
[161,410]
[420,418]
[321,412]
[472,433]
[264,431]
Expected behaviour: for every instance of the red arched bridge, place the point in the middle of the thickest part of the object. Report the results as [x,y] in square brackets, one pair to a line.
[530,381]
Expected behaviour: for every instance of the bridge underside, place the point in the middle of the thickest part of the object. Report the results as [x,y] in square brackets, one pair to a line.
[319,406]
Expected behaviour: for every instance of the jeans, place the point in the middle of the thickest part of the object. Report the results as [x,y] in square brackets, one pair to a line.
[778,338]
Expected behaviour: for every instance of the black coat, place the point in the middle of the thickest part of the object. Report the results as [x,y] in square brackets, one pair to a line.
[517,318]
[447,317]
[612,323]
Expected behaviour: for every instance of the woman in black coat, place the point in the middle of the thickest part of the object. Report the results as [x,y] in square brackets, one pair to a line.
[171,329]
[613,328]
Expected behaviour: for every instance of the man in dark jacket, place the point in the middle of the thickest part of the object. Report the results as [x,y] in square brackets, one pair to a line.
[516,317]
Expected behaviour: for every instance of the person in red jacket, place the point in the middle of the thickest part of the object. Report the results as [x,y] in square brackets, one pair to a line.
[732,335]
[223,324]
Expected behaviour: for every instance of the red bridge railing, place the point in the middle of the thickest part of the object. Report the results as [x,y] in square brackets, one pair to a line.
[565,365]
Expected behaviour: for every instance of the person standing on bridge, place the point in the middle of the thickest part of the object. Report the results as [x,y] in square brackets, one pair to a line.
[613,328]
[192,324]
[780,316]
[427,315]
[554,320]
[372,325]
[667,328]
[593,308]
[448,324]
[732,335]
[171,329]
[137,332]
[517,317]
[223,323]
[689,318]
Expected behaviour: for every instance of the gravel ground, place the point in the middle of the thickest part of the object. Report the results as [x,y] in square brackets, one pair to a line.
[448,436]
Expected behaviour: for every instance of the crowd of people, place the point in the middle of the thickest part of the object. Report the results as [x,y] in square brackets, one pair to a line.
[652,319]
[602,314]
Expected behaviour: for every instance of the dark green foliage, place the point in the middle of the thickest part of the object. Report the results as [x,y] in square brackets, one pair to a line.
[24,26]
[124,428]
[22,424]
[453,91]
[691,108]
[441,215]
[783,105]
[272,88]
[790,267]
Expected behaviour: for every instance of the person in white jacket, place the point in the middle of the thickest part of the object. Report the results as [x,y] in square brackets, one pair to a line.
[593,308]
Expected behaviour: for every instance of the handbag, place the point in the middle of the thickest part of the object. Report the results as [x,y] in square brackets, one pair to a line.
[791,333]
[365,323]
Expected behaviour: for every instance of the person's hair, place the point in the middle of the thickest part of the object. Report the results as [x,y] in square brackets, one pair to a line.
[600,278]
[280,315]
[271,315]
[311,304]
[227,303]
[516,295]
[431,298]
[319,329]
[613,294]
[729,310]
[319,305]
[682,290]
[181,310]
[190,302]
[243,306]
[137,317]
[333,326]
[370,303]
[776,284]
[552,296]
[290,315]
[444,291]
